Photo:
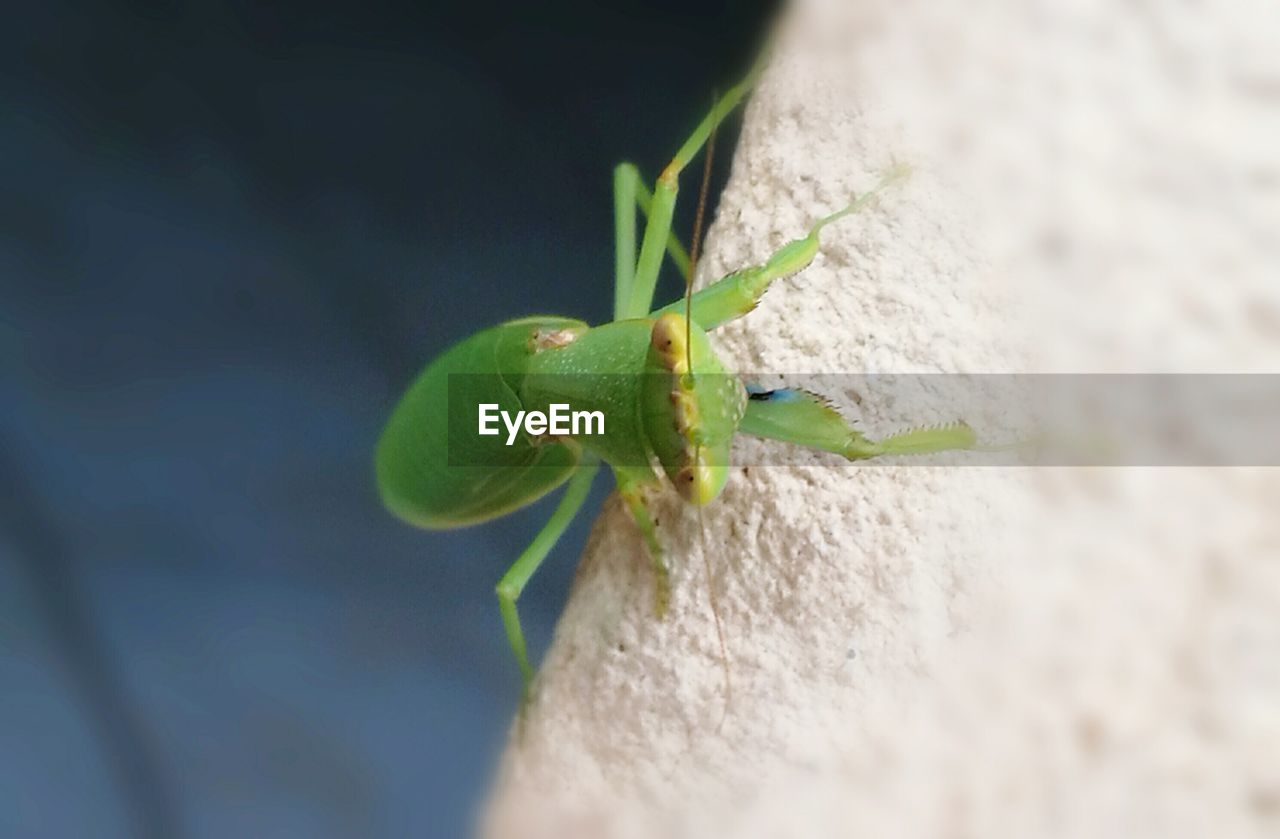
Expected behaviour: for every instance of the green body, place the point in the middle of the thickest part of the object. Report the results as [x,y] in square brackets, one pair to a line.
[611,368]
[671,408]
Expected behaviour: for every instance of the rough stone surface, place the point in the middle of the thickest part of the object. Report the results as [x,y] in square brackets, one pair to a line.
[940,650]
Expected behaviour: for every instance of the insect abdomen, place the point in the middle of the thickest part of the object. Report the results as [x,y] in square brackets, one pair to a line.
[434,470]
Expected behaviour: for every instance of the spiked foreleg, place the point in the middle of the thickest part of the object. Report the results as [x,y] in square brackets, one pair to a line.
[738,293]
[795,416]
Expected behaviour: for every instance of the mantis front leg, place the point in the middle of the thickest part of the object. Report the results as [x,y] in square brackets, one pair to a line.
[736,294]
[795,416]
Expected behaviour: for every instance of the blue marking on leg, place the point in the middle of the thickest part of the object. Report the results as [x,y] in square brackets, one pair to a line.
[784,394]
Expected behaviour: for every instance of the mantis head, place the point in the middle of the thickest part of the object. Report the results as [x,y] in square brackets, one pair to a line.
[692,408]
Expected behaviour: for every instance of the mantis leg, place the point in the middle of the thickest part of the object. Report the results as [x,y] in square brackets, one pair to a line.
[631,488]
[630,192]
[739,292]
[795,416]
[640,299]
[513,582]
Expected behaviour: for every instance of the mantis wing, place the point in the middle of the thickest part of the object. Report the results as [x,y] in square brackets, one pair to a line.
[434,469]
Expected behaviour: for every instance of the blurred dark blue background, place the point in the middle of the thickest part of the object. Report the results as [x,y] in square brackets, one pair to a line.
[230,233]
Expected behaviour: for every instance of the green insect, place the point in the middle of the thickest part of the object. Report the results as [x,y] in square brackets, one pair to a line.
[670,406]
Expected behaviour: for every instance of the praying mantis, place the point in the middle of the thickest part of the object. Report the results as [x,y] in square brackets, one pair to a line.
[671,407]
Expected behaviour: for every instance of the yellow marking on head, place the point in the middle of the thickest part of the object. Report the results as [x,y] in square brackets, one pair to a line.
[668,338]
[687,415]
[696,483]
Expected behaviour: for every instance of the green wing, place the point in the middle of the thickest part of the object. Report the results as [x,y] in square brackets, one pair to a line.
[433,469]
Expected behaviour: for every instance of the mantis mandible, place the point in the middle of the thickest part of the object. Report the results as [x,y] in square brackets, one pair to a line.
[672,407]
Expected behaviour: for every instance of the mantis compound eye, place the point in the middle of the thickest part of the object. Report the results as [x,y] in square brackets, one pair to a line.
[668,339]
[698,484]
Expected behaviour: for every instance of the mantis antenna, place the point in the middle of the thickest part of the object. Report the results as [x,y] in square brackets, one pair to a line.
[695,247]
[695,244]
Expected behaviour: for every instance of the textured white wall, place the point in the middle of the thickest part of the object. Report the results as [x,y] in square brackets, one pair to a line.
[949,651]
